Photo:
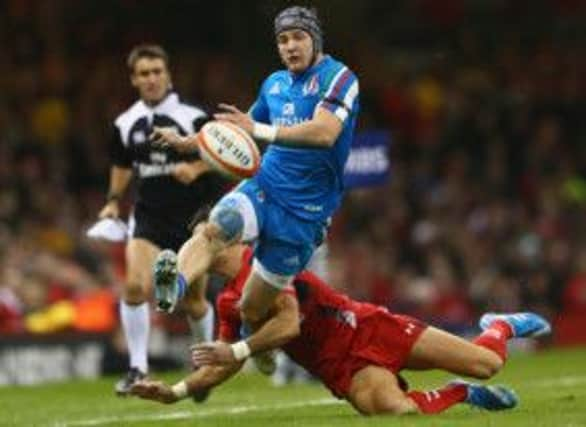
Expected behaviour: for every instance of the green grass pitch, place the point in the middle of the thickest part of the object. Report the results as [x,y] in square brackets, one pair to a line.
[551,385]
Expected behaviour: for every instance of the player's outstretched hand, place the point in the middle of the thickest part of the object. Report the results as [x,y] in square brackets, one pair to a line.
[153,390]
[212,353]
[232,114]
[168,137]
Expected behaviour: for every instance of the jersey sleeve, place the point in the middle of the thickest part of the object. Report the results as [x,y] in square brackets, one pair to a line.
[259,111]
[119,154]
[340,96]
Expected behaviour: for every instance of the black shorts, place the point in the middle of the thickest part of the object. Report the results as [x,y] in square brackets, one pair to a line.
[162,230]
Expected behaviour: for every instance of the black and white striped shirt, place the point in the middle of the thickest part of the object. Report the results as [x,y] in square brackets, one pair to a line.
[131,148]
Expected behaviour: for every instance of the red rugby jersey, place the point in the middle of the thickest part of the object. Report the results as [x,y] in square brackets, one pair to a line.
[329,320]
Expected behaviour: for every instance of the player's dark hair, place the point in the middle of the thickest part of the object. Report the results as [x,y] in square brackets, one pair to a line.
[151,51]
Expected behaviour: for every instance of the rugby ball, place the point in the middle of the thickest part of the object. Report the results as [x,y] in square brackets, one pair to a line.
[228,149]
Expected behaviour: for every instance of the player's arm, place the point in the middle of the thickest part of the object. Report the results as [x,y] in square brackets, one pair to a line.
[321,131]
[120,176]
[282,326]
[204,378]
[338,103]
[119,180]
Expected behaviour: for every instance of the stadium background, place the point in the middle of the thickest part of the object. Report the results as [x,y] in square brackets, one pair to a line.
[484,102]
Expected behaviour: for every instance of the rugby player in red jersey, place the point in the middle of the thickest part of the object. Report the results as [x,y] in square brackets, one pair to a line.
[356,349]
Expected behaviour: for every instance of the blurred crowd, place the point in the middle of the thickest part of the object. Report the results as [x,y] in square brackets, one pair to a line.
[484,209]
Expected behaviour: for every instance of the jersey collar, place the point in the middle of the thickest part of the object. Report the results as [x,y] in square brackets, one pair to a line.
[309,71]
[169,102]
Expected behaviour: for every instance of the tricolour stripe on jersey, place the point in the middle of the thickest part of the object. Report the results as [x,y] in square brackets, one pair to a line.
[338,83]
[343,73]
[351,95]
[342,109]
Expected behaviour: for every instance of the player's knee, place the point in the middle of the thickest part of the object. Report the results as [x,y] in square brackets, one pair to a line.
[134,293]
[229,223]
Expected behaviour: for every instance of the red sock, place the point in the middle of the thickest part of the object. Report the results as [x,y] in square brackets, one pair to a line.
[495,338]
[435,401]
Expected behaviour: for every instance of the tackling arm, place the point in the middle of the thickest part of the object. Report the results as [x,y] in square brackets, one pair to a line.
[281,327]
[204,378]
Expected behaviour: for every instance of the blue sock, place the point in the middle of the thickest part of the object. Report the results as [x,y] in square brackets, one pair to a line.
[182,284]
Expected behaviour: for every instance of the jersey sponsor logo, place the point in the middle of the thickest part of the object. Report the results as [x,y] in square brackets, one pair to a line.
[158,157]
[289,121]
[288,109]
[275,89]
[146,170]
[311,87]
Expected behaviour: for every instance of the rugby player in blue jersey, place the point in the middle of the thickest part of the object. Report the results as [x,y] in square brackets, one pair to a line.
[307,115]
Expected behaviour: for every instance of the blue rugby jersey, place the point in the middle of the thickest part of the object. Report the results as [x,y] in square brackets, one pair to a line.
[307,180]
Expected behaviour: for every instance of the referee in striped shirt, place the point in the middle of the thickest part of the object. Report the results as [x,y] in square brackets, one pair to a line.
[170,188]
